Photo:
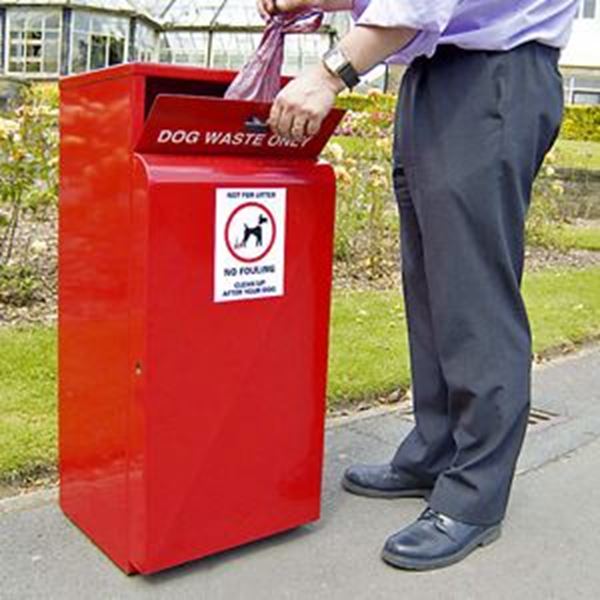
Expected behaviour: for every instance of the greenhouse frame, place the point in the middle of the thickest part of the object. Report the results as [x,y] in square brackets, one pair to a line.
[47,39]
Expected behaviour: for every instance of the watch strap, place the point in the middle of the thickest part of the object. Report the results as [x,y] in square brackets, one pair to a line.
[345,71]
[348,75]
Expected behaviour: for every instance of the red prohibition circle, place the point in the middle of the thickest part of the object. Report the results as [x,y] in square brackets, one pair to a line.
[228,224]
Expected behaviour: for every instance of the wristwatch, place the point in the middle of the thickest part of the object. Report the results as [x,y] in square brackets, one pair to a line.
[337,63]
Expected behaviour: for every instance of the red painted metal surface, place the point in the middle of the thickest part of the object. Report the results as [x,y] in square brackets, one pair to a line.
[186,426]
[186,125]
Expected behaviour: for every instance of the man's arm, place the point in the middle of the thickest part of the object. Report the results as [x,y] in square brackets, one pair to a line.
[301,106]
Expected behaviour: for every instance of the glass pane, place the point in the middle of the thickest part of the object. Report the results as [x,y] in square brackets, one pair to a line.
[192,12]
[53,21]
[586,98]
[15,66]
[34,50]
[81,21]
[51,54]
[301,51]
[154,7]
[100,23]
[33,67]
[109,4]
[232,50]
[589,9]
[98,52]
[116,51]
[184,47]
[34,21]
[17,50]
[239,12]
[79,52]
[145,42]
[122,26]
[17,19]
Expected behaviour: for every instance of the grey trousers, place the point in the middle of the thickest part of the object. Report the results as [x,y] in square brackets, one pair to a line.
[472,129]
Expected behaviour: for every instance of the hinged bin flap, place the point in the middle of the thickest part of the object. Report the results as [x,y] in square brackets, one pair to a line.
[192,125]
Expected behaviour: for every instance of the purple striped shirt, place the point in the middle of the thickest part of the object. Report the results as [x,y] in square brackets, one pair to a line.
[470,24]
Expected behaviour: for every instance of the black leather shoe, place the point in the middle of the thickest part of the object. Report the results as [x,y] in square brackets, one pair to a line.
[382,481]
[435,540]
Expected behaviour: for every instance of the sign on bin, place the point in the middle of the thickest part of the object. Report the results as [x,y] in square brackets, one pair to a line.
[249,243]
[186,124]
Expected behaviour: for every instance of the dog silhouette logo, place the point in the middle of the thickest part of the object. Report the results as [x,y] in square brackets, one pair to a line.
[256,232]
[250,232]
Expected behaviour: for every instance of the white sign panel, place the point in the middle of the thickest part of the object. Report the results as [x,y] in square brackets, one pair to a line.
[249,243]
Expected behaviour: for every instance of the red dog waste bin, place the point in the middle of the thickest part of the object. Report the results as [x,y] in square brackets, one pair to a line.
[195,276]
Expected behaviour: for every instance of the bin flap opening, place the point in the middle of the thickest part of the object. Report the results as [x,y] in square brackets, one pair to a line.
[190,125]
[212,83]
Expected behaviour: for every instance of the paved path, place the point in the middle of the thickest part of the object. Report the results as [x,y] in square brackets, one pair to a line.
[549,550]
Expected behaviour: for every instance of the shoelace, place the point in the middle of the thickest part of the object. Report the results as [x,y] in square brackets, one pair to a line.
[429,514]
[438,519]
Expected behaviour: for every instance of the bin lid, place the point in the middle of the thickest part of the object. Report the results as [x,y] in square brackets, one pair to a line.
[195,125]
[147,70]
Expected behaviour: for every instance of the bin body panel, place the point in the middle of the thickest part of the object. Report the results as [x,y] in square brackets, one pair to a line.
[230,438]
[97,133]
[186,426]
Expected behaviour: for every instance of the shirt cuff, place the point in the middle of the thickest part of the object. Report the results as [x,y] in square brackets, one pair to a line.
[423,44]
[429,22]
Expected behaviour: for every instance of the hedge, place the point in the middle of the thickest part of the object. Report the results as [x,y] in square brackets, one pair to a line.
[580,122]
[371,102]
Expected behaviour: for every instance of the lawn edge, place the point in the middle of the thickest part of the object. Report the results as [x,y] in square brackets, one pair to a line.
[357,410]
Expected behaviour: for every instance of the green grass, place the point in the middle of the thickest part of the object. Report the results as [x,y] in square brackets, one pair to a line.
[581,238]
[27,400]
[368,352]
[564,307]
[368,356]
[577,155]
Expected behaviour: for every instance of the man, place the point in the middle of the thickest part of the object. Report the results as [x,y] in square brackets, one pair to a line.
[479,107]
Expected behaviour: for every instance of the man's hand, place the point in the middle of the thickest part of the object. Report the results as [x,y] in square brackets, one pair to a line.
[302,104]
[268,8]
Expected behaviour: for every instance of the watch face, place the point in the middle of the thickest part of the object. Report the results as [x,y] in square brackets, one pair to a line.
[335,60]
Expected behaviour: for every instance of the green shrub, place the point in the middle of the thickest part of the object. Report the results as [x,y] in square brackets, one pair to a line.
[366,243]
[28,162]
[580,122]
[19,285]
[373,101]
[366,238]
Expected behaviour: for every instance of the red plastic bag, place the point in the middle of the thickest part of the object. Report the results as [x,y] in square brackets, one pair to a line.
[260,78]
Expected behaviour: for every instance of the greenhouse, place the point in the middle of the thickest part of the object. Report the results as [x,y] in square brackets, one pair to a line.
[46,39]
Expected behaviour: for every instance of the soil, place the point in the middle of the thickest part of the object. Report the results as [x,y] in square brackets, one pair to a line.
[48,476]
[36,246]
[536,259]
